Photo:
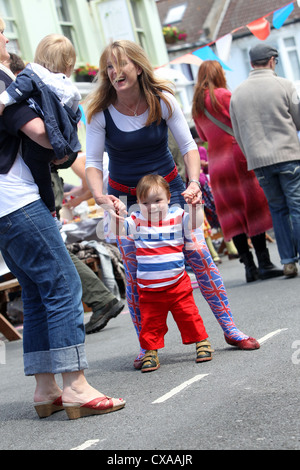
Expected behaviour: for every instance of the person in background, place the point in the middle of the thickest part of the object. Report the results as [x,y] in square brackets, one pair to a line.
[128,115]
[241,205]
[33,249]
[209,204]
[265,115]
[77,194]
[16,64]
[174,149]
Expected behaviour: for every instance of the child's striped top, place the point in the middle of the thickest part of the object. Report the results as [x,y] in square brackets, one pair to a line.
[159,247]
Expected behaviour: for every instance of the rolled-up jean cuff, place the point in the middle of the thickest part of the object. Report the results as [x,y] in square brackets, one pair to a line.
[56,361]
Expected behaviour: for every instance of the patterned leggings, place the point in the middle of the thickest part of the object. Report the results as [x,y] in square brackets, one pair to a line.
[207,274]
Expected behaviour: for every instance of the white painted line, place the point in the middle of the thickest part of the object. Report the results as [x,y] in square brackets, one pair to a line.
[268,336]
[86,444]
[178,389]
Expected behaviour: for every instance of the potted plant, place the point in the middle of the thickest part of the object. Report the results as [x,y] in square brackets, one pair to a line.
[85,73]
[172,34]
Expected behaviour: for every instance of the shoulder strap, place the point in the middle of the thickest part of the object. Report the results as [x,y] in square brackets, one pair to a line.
[7,71]
[219,123]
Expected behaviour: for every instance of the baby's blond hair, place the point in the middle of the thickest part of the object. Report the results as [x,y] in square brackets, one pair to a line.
[2,24]
[56,53]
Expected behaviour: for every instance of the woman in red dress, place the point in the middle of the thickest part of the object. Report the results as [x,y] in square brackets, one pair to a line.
[241,205]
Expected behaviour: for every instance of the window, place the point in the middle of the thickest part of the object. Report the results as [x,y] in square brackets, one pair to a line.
[115,20]
[65,21]
[175,14]
[10,23]
[138,27]
[246,60]
[292,52]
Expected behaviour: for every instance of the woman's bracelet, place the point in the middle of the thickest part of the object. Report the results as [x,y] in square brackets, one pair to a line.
[195,181]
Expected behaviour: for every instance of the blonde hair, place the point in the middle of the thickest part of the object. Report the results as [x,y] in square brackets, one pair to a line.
[2,24]
[56,53]
[151,181]
[150,85]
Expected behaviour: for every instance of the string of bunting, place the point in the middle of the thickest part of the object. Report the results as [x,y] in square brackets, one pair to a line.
[260,28]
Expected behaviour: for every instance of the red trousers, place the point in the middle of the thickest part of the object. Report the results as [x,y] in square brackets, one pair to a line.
[154,308]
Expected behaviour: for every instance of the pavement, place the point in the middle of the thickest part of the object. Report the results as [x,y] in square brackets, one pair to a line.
[241,400]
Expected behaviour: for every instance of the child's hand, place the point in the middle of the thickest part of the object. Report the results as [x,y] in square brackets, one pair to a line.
[120,208]
[2,108]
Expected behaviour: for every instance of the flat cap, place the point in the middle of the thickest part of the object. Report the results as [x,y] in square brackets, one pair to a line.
[261,52]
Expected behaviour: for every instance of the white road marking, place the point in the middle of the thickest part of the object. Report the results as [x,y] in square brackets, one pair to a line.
[178,389]
[269,335]
[86,444]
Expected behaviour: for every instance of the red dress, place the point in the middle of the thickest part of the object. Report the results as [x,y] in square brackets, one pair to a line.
[240,202]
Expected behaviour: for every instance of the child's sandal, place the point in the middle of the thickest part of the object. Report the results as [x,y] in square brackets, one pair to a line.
[204,351]
[150,361]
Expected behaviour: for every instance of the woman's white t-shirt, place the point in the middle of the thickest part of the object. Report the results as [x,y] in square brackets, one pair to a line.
[17,188]
[95,137]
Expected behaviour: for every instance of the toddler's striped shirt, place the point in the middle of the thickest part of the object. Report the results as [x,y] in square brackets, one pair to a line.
[159,247]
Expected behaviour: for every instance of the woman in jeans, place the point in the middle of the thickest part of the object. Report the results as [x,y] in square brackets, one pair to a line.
[33,249]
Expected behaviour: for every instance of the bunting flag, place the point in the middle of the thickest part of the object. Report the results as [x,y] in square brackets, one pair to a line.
[223,46]
[187,59]
[260,28]
[206,53]
[280,16]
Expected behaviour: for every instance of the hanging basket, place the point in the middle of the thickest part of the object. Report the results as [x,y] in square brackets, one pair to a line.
[170,40]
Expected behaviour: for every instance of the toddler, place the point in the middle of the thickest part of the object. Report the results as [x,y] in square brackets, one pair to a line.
[163,284]
[46,85]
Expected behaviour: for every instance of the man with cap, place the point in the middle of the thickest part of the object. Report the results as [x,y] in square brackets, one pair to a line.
[265,116]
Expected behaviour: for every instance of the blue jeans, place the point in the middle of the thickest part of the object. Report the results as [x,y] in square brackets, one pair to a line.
[33,249]
[281,185]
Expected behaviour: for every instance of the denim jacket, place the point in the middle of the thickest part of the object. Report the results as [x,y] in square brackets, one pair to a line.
[12,120]
[60,120]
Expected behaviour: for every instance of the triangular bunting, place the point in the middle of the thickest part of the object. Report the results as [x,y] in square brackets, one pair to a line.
[187,59]
[281,15]
[260,28]
[206,53]
[223,46]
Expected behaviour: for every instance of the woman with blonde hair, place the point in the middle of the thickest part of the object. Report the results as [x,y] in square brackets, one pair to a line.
[129,114]
[240,202]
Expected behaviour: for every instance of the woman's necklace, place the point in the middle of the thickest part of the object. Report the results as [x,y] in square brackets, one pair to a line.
[135,111]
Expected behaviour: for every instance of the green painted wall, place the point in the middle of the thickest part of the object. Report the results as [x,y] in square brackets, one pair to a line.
[34,19]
